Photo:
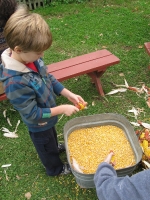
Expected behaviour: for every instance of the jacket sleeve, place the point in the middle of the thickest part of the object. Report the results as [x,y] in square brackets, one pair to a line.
[110,187]
[57,86]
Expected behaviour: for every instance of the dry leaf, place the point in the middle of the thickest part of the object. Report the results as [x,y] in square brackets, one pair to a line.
[12,110]
[7,165]
[18,177]
[140,46]
[93,103]
[8,133]
[8,120]
[4,113]
[28,195]
[146,163]
[135,123]
[126,84]
[17,126]
[61,117]
[117,90]
[135,111]
[121,74]
[145,125]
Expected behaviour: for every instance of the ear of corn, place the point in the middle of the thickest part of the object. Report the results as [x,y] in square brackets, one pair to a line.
[90,146]
[81,106]
[144,142]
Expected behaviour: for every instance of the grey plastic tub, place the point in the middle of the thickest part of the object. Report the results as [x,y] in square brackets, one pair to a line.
[86,180]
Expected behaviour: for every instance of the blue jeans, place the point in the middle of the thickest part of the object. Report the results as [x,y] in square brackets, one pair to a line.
[46,145]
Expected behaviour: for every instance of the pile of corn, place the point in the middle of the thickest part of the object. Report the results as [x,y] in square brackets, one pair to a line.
[145,143]
[90,146]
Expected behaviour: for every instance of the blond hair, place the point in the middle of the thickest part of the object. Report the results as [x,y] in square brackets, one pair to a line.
[27,30]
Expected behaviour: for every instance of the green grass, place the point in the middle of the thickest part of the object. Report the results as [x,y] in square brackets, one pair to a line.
[120,26]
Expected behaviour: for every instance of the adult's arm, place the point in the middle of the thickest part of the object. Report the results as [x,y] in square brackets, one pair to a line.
[111,187]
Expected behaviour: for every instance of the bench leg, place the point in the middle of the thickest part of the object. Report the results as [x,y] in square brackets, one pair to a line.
[96,79]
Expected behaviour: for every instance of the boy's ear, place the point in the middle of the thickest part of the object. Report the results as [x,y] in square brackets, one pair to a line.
[17,49]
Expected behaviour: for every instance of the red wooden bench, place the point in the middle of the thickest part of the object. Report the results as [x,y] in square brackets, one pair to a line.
[93,64]
[147,47]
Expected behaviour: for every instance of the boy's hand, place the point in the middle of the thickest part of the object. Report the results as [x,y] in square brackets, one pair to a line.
[74,98]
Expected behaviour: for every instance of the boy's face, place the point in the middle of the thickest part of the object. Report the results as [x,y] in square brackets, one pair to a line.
[28,57]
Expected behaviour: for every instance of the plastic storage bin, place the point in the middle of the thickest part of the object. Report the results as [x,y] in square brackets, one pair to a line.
[86,180]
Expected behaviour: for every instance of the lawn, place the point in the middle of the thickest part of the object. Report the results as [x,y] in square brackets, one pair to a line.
[120,26]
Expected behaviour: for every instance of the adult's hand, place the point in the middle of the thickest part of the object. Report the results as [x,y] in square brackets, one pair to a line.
[109,157]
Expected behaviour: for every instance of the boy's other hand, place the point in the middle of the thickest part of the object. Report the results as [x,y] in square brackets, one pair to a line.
[68,110]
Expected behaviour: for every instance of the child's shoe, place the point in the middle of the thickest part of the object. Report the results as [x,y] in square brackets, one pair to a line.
[66,169]
[61,148]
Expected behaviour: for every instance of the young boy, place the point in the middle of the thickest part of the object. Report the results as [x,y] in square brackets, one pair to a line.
[111,187]
[31,90]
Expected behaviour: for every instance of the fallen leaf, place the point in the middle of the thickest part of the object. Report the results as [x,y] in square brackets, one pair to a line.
[140,46]
[6,165]
[61,117]
[28,195]
[126,84]
[135,123]
[18,177]
[93,103]
[101,34]
[117,90]
[8,133]
[4,113]
[121,74]
[135,111]
[8,120]
[146,163]
[12,110]
[145,125]
[17,126]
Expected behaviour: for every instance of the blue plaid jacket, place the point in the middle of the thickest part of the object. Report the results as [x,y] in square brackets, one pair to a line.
[31,93]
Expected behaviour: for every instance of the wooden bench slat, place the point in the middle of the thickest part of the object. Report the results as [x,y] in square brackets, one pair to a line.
[78,60]
[84,68]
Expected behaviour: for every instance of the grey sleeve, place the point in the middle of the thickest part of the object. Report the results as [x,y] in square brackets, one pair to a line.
[110,187]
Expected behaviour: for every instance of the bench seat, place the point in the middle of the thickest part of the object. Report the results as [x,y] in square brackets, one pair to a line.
[93,64]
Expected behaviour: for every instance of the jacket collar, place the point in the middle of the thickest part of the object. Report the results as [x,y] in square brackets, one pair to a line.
[11,63]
